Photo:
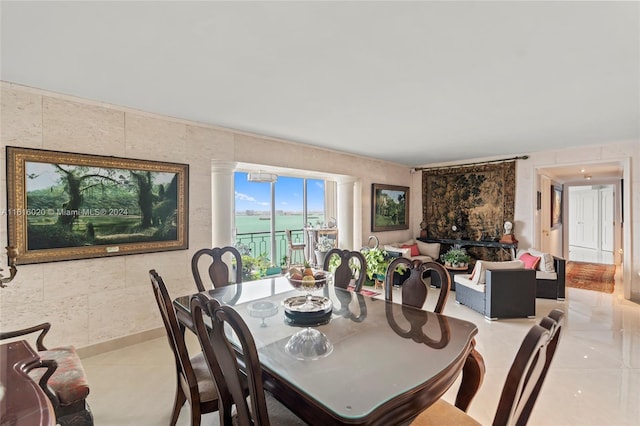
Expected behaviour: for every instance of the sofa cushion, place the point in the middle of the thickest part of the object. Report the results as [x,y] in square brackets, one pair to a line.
[546,260]
[422,258]
[413,248]
[465,280]
[530,261]
[404,252]
[541,275]
[479,271]
[429,249]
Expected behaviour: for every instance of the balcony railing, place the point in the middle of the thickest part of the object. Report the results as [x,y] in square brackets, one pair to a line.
[260,243]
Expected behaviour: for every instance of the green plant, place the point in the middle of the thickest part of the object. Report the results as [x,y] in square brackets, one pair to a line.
[254,268]
[456,255]
[377,263]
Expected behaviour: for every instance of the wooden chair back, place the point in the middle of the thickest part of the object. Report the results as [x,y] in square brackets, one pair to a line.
[553,322]
[414,289]
[252,410]
[199,311]
[344,273]
[218,268]
[187,381]
[528,371]
[521,387]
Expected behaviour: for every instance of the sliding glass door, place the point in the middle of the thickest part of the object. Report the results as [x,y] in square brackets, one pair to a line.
[290,202]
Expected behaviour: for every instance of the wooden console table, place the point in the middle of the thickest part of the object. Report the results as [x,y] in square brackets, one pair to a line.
[511,247]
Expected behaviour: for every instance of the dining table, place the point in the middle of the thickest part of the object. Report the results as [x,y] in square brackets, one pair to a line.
[369,361]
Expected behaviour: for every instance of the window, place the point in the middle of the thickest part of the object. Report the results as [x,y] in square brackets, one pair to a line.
[295,202]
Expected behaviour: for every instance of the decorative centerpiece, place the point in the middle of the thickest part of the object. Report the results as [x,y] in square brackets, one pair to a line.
[308,345]
[456,257]
[307,309]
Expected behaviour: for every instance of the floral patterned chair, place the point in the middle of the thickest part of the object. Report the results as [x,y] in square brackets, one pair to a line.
[61,376]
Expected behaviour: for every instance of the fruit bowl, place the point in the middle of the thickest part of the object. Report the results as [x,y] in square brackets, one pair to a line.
[308,279]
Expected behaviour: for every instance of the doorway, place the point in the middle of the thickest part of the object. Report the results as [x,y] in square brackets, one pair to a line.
[591,223]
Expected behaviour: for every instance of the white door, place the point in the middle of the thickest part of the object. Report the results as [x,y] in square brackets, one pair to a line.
[587,213]
[606,202]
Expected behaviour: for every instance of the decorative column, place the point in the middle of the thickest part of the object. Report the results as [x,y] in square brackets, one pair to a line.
[345,212]
[222,202]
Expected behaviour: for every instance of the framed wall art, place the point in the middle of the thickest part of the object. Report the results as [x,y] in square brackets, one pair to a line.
[390,207]
[556,206]
[64,206]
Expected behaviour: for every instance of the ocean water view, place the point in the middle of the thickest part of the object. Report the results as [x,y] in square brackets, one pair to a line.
[254,232]
[246,224]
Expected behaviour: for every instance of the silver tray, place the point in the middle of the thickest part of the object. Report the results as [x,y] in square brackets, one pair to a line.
[299,305]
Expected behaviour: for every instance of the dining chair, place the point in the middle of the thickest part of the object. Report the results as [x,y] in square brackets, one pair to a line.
[344,273]
[194,382]
[61,376]
[522,385]
[414,289]
[222,357]
[293,248]
[218,268]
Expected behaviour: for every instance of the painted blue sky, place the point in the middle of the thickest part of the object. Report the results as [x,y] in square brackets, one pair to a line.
[289,191]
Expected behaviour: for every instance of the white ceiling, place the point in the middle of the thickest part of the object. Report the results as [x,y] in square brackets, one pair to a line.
[410,82]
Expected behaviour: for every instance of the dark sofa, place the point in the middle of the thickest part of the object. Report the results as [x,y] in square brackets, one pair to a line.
[552,289]
[508,293]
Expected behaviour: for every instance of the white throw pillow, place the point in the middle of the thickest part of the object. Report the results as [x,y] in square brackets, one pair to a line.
[429,249]
[479,274]
[546,261]
[404,252]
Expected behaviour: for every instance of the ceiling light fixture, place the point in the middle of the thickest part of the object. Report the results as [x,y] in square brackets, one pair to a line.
[262,177]
[587,177]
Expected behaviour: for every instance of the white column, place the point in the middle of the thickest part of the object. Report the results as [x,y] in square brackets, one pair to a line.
[345,212]
[222,202]
[357,215]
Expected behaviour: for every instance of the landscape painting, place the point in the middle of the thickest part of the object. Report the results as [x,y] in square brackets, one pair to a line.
[390,207]
[64,206]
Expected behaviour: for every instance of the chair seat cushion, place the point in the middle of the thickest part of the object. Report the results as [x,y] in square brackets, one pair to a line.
[69,381]
[443,414]
[206,386]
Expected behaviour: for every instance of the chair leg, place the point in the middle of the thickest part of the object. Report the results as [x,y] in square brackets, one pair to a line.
[177,405]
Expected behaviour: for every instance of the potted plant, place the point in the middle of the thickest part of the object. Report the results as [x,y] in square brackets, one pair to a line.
[377,263]
[284,261]
[456,257]
[254,268]
[323,245]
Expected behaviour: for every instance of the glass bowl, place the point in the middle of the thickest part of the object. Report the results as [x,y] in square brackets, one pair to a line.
[308,279]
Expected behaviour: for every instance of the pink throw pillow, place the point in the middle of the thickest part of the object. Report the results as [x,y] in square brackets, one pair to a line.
[530,261]
[414,249]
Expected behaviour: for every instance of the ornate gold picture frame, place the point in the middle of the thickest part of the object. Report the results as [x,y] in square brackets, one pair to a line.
[64,206]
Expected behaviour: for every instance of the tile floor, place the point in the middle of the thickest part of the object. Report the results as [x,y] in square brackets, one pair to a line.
[594,379]
[581,254]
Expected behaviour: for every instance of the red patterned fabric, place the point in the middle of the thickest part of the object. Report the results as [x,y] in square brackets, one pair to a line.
[69,381]
[530,261]
[414,249]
